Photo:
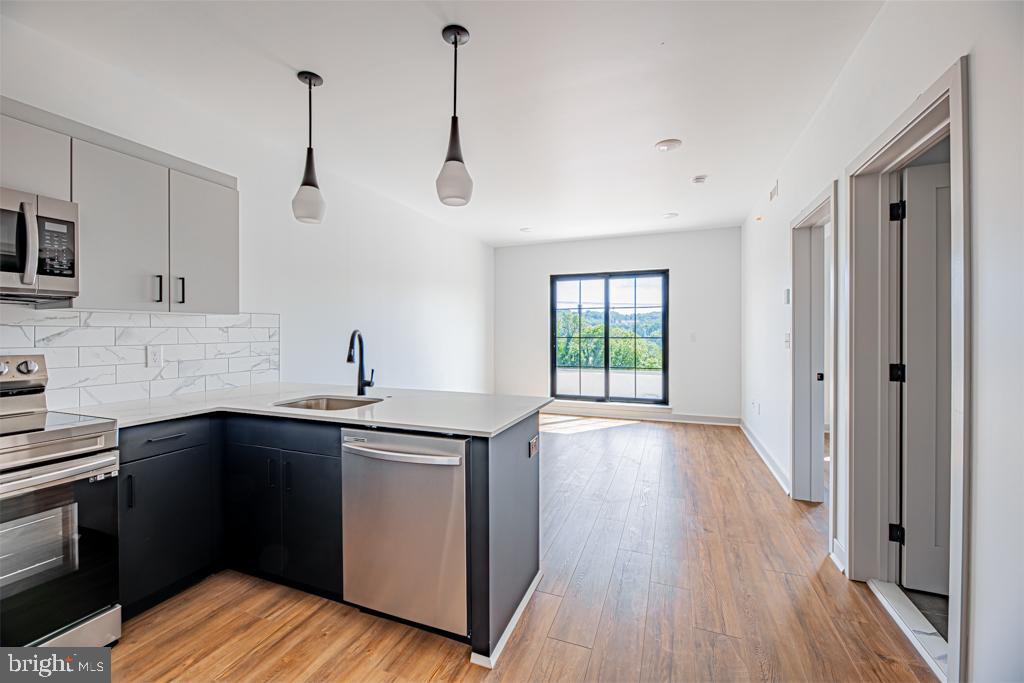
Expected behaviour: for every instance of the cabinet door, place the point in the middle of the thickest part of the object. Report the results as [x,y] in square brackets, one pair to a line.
[252,508]
[122,208]
[204,246]
[166,508]
[312,520]
[34,159]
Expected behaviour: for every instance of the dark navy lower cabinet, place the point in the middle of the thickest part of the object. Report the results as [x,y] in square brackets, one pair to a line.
[252,509]
[311,514]
[166,504]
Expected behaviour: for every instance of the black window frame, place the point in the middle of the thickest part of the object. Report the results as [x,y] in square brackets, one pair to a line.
[553,336]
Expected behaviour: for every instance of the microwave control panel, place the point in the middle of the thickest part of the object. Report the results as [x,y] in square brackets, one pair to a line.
[56,247]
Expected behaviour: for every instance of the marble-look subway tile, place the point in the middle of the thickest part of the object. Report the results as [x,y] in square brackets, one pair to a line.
[172,387]
[266,320]
[254,363]
[63,378]
[114,319]
[111,355]
[11,314]
[113,393]
[227,350]
[178,320]
[235,320]
[55,357]
[248,334]
[274,334]
[17,336]
[228,381]
[189,368]
[146,335]
[262,376]
[74,336]
[61,399]
[184,352]
[202,335]
[265,348]
[141,373]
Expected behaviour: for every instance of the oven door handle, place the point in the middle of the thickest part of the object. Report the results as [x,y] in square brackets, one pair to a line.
[28,209]
[18,483]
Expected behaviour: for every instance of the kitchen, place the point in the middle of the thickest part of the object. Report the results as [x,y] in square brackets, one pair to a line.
[455,341]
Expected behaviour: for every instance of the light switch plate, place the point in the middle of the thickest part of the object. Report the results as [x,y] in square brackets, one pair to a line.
[154,356]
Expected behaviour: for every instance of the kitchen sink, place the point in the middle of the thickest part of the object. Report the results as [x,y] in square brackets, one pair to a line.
[328,402]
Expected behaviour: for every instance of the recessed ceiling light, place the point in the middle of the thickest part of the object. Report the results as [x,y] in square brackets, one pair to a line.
[525,229]
[667,145]
[758,218]
[699,179]
[670,214]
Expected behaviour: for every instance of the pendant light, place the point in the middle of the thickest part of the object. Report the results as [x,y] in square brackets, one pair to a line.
[454,186]
[308,205]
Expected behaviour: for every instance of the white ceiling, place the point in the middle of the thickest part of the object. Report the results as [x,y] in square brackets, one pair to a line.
[560,103]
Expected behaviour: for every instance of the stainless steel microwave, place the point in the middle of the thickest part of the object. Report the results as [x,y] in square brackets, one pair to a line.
[39,249]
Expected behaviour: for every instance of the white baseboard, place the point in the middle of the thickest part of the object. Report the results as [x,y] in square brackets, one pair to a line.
[632,411]
[932,647]
[490,661]
[773,467]
[838,555]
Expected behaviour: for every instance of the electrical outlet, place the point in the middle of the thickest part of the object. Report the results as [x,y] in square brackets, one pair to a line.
[154,356]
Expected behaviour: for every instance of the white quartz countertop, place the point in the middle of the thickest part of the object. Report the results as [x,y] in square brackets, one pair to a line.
[446,412]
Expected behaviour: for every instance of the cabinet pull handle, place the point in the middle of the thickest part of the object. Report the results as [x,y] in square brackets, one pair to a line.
[270,480]
[288,476]
[182,299]
[157,439]
[131,491]
[159,289]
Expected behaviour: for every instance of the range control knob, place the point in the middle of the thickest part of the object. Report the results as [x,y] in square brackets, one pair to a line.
[4,369]
[28,367]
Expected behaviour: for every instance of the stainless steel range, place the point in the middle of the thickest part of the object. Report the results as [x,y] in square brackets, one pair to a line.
[58,517]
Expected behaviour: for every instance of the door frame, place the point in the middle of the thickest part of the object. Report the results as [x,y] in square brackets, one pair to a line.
[938,112]
[823,210]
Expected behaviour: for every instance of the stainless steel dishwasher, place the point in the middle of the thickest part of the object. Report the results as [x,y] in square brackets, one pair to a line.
[404,526]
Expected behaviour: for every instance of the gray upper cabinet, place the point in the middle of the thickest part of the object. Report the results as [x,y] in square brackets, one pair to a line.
[34,159]
[204,245]
[122,205]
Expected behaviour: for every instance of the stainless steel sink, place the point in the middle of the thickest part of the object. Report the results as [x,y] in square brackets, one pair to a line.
[328,402]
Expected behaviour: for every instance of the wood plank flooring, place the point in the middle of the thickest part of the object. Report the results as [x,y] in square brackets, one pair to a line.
[669,554]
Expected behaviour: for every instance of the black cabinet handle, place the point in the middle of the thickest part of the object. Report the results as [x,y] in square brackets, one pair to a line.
[288,476]
[159,289]
[270,480]
[182,299]
[131,491]
[157,439]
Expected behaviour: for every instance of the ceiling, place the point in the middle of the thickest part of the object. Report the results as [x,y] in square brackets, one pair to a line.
[560,103]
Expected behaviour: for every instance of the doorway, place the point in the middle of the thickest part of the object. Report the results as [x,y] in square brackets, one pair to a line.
[813,351]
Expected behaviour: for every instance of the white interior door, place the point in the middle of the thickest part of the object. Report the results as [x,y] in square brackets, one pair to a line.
[926,393]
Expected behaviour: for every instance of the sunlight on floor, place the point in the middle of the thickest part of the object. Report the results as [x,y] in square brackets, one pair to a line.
[571,424]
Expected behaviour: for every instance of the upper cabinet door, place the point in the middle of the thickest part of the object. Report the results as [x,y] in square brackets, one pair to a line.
[204,246]
[34,159]
[122,209]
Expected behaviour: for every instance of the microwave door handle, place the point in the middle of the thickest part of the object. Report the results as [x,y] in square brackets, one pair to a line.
[28,209]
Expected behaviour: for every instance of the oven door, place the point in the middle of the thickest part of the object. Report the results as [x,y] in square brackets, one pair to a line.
[58,546]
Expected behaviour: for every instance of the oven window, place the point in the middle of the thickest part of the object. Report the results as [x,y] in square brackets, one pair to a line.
[58,558]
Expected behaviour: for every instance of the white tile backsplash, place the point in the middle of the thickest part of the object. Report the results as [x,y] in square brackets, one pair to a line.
[100,356]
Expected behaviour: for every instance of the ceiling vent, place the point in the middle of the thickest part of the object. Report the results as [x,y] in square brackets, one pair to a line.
[699,179]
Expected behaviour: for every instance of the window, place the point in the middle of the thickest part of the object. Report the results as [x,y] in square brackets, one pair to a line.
[609,336]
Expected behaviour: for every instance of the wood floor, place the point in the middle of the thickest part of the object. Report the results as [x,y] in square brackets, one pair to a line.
[669,554]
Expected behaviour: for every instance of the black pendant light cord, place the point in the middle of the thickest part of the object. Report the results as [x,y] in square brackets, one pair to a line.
[310,83]
[455,78]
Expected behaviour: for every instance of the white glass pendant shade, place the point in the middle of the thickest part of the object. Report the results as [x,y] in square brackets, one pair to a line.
[308,204]
[454,186]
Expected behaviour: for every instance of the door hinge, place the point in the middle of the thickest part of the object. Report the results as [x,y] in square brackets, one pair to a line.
[897,534]
[898,210]
[897,372]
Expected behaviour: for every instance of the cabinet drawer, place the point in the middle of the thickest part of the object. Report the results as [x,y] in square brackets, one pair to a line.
[158,438]
[290,435]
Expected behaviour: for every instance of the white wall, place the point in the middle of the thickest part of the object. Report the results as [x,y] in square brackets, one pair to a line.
[421,292]
[704,311]
[906,49]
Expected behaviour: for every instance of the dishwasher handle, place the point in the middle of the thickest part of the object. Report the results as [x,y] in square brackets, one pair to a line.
[393,456]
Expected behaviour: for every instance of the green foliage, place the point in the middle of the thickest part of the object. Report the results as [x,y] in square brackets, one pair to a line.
[580,341]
